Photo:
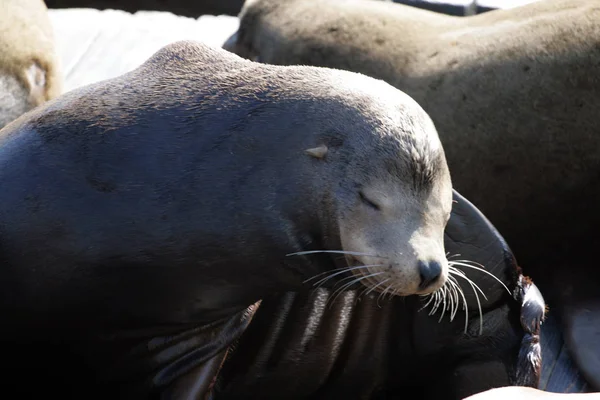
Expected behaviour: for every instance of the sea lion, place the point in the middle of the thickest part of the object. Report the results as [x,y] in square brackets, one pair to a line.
[514,98]
[526,393]
[143,217]
[29,66]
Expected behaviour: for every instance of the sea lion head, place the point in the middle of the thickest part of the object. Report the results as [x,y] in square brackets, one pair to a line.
[19,94]
[392,191]
[30,71]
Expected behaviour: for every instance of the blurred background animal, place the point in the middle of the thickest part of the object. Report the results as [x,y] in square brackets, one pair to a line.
[29,67]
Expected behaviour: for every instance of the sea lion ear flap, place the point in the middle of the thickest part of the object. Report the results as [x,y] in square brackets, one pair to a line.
[36,79]
[317,152]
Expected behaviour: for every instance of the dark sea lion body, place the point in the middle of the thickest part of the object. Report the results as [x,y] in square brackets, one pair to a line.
[142,217]
[30,72]
[514,96]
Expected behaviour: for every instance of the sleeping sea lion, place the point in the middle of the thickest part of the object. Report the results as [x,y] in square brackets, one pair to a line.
[143,218]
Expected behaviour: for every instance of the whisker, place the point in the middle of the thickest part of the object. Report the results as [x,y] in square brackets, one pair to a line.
[438,300]
[434,298]
[455,299]
[458,292]
[478,302]
[391,294]
[462,274]
[462,263]
[443,294]
[449,257]
[326,272]
[342,288]
[347,269]
[381,295]
[380,283]
[430,295]
[464,304]
[352,276]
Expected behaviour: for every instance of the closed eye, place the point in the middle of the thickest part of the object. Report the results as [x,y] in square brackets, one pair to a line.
[368,202]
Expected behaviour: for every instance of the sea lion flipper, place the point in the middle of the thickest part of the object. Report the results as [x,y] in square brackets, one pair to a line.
[471,235]
[533,313]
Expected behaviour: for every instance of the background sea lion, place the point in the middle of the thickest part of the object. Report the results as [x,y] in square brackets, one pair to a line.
[143,216]
[514,97]
[29,67]
[524,393]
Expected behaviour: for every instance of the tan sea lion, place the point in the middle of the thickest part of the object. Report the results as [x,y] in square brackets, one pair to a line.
[29,66]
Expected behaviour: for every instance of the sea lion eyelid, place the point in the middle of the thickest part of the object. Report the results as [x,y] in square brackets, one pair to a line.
[368,202]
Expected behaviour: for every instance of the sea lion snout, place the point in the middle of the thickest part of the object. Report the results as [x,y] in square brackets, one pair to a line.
[399,262]
[429,272]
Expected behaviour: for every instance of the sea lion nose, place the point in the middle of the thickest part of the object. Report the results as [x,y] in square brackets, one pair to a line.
[429,273]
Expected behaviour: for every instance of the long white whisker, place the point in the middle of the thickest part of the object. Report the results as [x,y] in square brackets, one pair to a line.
[451,296]
[464,305]
[458,272]
[462,263]
[345,270]
[326,272]
[455,289]
[380,283]
[449,257]
[444,293]
[478,303]
[430,295]
[434,295]
[382,294]
[438,302]
[391,294]
[342,288]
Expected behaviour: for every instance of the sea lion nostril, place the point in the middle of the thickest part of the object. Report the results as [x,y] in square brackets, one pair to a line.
[429,273]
